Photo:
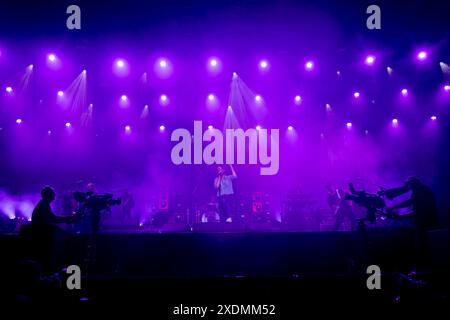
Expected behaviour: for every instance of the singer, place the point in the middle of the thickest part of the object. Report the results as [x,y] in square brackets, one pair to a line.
[225,194]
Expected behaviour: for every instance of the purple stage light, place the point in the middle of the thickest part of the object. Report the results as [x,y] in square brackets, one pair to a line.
[389,70]
[309,65]
[349,125]
[395,122]
[235,75]
[9,89]
[263,65]
[163,68]
[163,63]
[127,129]
[328,107]
[422,55]
[210,127]
[298,99]
[356,94]
[30,67]
[49,132]
[447,88]
[18,121]
[214,65]
[230,108]
[162,128]
[433,118]
[84,71]
[123,98]
[120,63]
[211,97]
[370,60]
[120,67]
[258,127]
[163,100]
[258,98]
[68,124]
[51,57]
[404,92]
[60,93]
[290,128]
[213,62]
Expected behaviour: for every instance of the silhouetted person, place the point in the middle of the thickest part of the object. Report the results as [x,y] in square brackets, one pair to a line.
[424,213]
[127,206]
[340,207]
[43,214]
[422,201]
[43,240]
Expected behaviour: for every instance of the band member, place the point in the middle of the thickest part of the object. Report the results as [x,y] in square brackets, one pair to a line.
[127,206]
[340,207]
[43,214]
[224,185]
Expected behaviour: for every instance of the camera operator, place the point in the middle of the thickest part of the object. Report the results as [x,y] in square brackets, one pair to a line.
[424,215]
[422,201]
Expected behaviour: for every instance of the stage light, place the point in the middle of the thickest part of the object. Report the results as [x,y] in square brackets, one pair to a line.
[258,98]
[447,87]
[51,57]
[349,125]
[328,107]
[395,122]
[445,68]
[163,68]
[120,63]
[163,99]
[366,132]
[9,89]
[235,75]
[68,124]
[123,98]
[258,127]
[433,118]
[210,127]
[60,93]
[214,66]
[211,97]
[298,99]
[404,92]
[18,121]
[30,67]
[230,108]
[162,128]
[370,60]
[389,70]
[127,129]
[356,94]
[163,63]
[422,55]
[309,65]
[338,73]
[290,128]
[49,132]
[84,71]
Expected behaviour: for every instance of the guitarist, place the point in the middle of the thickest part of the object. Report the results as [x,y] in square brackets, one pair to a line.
[340,207]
